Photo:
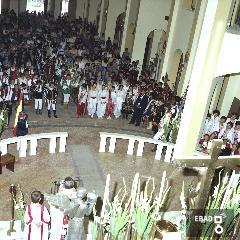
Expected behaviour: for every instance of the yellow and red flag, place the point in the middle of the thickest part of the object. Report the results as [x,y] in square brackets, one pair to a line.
[19,109]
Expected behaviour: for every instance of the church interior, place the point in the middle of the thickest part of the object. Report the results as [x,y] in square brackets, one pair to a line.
[119,119]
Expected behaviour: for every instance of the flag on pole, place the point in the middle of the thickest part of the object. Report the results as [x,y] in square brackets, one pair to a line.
[19,109]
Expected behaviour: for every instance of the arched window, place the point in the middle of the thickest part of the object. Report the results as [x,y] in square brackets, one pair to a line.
[35,5]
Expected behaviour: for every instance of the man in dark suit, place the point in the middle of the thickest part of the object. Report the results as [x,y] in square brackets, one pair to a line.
[139,108]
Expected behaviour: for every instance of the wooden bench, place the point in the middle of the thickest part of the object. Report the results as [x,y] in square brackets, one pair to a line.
[7,160]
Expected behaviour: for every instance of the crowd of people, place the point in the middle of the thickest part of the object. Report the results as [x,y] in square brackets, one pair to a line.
[217,127]
[44,60]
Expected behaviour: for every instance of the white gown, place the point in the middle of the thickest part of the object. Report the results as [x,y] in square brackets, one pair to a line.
[31,230]
[165,120]
[92,102]
[102,103]
[120,98]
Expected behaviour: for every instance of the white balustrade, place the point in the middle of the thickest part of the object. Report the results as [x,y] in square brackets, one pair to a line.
[52,144]
[162,148]
[131,146]
[112,144]
[23,147]
[33,147]
[103,144]
[24,141]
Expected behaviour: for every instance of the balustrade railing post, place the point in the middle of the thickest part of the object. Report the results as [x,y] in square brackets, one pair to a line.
[52,144]
[112,144]
[62,143]
[4,148]
[168,155]
[158,154]
[140,148]
[33,146]
[103,141]
[131,143]
[23,147]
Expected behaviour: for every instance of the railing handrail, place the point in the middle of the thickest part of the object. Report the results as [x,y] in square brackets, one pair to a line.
[166,149]
[36,136]
[137,138]
[32,141]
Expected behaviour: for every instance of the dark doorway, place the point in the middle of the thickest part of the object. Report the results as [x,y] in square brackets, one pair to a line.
[235,108]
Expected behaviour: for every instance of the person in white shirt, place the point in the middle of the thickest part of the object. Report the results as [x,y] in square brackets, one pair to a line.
[81,64]
[233,118]
[102,102]
[215,121]
[92,100]
[207,125]
[227,133]
[222,123]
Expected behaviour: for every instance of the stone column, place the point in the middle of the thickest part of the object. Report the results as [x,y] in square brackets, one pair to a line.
[170,36]
[103,17]
[207,42]
[22,6]
[115,8]
[132,10]
[5,4]
[51,6]
[72,8]
[14,5]
[45,6]
[57,8]
[93,10]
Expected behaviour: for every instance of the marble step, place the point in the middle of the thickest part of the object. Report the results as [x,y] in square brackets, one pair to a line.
[4,227]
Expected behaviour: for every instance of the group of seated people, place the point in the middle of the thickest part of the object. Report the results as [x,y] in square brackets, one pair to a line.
[217,127]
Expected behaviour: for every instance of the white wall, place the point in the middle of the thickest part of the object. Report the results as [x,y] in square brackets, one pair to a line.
[93,10]
[228,61]
[233,90]
[151,16]
[115,8]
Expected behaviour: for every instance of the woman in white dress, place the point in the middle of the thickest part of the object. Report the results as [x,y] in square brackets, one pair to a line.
[92,100]
[120,98]
[102,102]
